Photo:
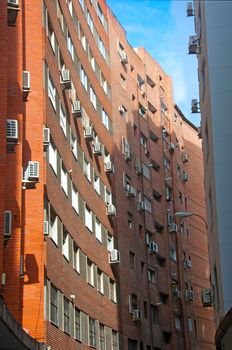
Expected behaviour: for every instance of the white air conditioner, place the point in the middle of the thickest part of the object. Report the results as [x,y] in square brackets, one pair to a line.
[141,205]
[46,136]
[143,93]
[137,315]
[26,81]
[128,155]
[153,247]
[123,56]
[46,228]
[12,130]
[190,10]
[13,3]
[195,106]
[194,47]
[168,197]
[66,79]
[190,295]
[7,223]
[109,168]
[207,296]
[110,210]
[88,134]
[32,171]
[171,146]
[185,157]
[121,109]
[173,227]
[184,177]
[97,148]
[188,264]
[76,108]
[178,294]
[114,256]
[131,191]
[139,169]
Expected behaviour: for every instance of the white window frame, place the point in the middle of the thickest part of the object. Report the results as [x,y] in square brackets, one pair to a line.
[70,46]
[65,244]
[148,205]
[74,145]
[93,97]
[51,91]
[76,260]
[75,199]
[87,169]
[64,179]
[90,21]
[90,272]
[101,47]
[54,229]
[96,183]
[89,218]
[110,242]
[100,285]
[53,157]
[105,119]
[84,78]
[63,120]
[98,230]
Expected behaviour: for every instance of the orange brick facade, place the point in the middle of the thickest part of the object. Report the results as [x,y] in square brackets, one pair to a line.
[62,284]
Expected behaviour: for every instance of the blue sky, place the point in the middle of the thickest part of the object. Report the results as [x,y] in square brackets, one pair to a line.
[162,27]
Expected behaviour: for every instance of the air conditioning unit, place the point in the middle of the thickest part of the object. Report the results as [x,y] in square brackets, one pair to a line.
[153,247]
[12,130]
[195,106]
[124,58]
[171,146]
[143,93]
[46,228]
[168,197]
[46,136]
[76,108]
[207,296]
[188,264]
[97,148]
[13,3]
[88,134]
[109,168]
[199,132]
[185,157]
[32,171]
[110,210]
[178,294]
[128,155]
[114,256]
[194,47]
[184,177]
[66,79]
[190,10]
[190,295]
[121,109]
[173,227]
[7,223]
[139,169]
[141,205]
[131,191]
[26,81]
[137,315]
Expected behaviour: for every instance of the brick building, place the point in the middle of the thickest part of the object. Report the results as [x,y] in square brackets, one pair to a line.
[96,159]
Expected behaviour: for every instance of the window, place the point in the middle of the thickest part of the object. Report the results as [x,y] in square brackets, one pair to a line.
[143,140]
[66,316]
[123,111]
[54,305]
[76,258]
[132,344]
[153,136]
[112,291]
[108,197]
[60,16]
[96,184]
[110,242]
[83,40]
[114,340]
[87,169]
[177,322]
[190,324]
[62,120]
[82,3]
[65,245]
[92,332]
[54,227]
[70,7]
[102,337]
[130,219]
[146,171]
[64,179]
[51,34]
[132,260]
[51,91]
[148,205]
[90,274]
[145,309]
[151,275]
[70,46]
[77,324]
[180,196]
[98,231]
[92,60]
[84,79]
[101,47]
[157,196]
[142,111]
[105,119]
[100,286]
[166,162]
[100,14]
[154,314]
[90,21]
[104,84]
[123,81]
[75,198]
[88,219]
[53,156]
[133,302]
[172,254]
[93,97]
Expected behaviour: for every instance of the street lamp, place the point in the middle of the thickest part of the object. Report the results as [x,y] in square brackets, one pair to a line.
[186,214]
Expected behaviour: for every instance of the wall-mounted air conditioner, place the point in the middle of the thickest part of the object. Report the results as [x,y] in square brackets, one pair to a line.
[207,296]
[185,157]
[128,155]
[46,136]
[171,146]
[194,44]
[141,205]
[114,256]
[12,130]
[189,9]
[173,227]
[195,106]
[97,148]
[130,191]
[7,223]
[26,81]
[153,247]
[66,79]
[88,133]
[32,172]
[139,169]
[123,57]
[109,167]
[110,210]
[137,315]
[76,108]
[184,177]
[46,228]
